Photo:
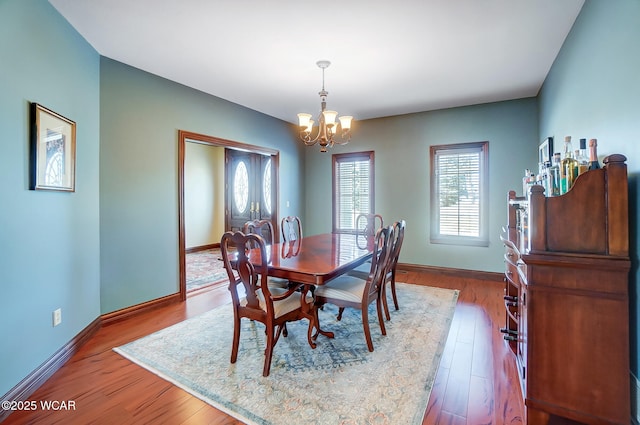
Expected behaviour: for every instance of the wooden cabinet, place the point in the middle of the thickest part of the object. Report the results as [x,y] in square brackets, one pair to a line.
[567,259]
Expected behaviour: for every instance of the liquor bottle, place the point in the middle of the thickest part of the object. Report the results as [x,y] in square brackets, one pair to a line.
[542,172]
[593,154]
[525,182]
[543,177]
[568,167]
[583,159]
[553,176]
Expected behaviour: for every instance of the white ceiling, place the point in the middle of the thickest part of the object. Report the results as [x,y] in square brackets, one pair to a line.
[388,57]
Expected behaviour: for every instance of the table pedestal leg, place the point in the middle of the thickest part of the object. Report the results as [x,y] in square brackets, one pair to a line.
[320,331]
[311,313]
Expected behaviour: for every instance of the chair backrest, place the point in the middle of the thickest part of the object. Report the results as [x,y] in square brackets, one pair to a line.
[235,248]
[398,233]
[291,228]
[379,260]
[263,228]
[368,224]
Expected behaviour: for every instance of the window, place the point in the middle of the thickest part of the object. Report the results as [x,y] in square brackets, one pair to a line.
[459,194]
[352,189]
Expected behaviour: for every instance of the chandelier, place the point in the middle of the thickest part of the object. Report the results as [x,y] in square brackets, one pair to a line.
[327,128]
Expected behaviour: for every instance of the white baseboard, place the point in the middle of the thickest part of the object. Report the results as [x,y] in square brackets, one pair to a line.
[635,400]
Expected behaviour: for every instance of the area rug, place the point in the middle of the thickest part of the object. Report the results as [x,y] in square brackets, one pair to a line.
[204,268]
[340,382]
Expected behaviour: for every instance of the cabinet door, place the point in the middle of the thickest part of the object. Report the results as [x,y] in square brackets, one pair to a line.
[511,296]
[523,299]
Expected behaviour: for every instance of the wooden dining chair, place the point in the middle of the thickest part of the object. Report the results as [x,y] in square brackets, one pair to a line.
[390,275]
[368,224]
[291,227]
[273,307]
[264,228]
[395,242]
[352,291]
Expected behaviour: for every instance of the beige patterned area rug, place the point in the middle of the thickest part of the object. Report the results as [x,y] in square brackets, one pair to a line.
[340,382]
[204,268]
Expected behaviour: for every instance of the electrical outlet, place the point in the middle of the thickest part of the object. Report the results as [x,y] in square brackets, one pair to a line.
[57,317]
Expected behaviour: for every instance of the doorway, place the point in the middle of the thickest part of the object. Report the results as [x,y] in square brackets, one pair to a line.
[261,166]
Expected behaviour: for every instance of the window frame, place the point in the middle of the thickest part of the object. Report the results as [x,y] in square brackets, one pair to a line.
[350,157]
[482,148]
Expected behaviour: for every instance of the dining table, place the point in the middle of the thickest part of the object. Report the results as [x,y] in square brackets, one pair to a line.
[315,260]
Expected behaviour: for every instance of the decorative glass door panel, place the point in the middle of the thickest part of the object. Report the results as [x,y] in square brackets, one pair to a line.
[249,188]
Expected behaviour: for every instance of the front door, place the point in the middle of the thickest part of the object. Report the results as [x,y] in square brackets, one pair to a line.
[249,188]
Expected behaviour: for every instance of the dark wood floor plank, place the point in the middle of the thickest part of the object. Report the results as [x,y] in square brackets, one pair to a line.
[450,419]
[480,407]
[467,315]
[456,396]
[108,388]
[482,364]
[436,398]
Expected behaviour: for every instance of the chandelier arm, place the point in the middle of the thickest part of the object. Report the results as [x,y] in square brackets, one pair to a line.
[308,141]
[307,137]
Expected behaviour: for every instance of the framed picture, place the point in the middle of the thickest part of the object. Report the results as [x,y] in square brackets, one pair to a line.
[545,150]
[53,151]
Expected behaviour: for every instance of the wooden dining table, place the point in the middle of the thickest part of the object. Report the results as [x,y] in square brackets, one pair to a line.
[315,260]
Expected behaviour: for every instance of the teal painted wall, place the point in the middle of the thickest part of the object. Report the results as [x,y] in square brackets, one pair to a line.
[140,115]
[401,145]
[593,91]
[49,240]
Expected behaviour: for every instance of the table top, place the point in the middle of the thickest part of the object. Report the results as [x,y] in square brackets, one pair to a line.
[319,258]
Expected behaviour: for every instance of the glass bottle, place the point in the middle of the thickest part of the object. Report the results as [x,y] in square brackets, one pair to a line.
[525,182]
[568,167]
[544,178]
[593,154]
[583,159]
[542,171]
[553,176]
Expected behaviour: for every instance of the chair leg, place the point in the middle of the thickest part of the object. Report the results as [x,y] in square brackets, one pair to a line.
[269,351]
[365,326]
[379,307]
[340,311]
[393,291]
[383,295]
[236,339]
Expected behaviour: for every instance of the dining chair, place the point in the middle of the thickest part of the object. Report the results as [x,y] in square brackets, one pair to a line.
[264,228]
[368,224]
[390,276]
[273,307]
[291,227]
[395,242]
[352,291]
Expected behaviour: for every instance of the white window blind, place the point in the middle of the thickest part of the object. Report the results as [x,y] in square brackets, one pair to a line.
[458,194]
[353,189]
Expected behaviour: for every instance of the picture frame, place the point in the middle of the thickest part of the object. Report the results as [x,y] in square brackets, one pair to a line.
[545,150]
[53,151]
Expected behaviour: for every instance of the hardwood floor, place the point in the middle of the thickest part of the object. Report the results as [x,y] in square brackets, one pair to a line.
[476,382]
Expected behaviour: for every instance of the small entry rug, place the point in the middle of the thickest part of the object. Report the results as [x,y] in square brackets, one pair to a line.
[340,382]
[204,268]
